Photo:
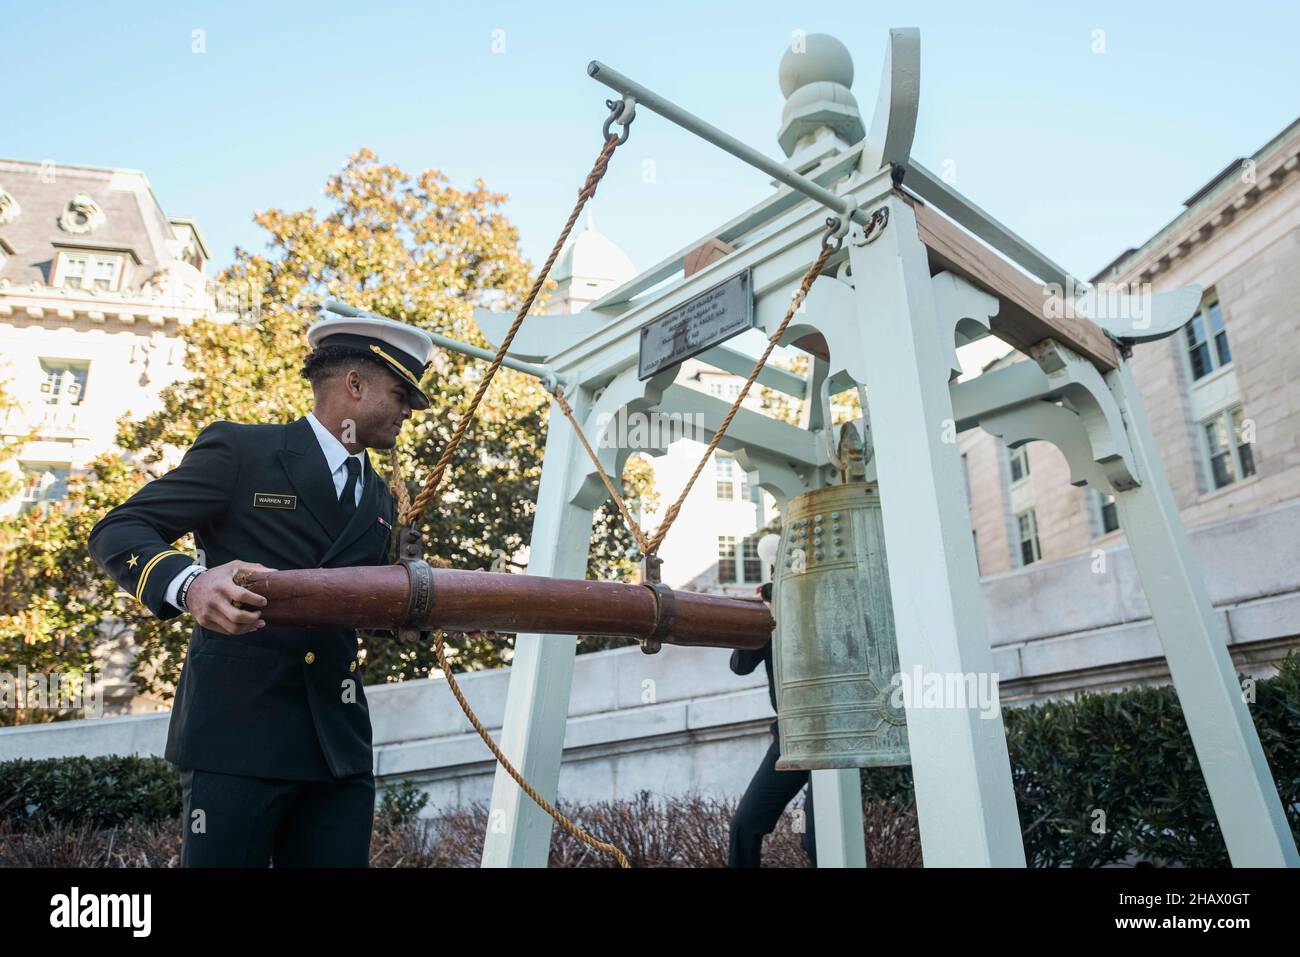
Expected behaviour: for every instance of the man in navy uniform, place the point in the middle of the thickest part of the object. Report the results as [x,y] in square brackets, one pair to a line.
[270,726]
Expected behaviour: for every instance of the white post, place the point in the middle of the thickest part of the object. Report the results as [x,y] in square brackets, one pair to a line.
[1237,775]
[837,813]
[541,674]
[965,802]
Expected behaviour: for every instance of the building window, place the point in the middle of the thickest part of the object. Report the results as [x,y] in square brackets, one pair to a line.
[724,469]
[753,564]
[1109,517]
[1019,461]
[965,475]
[43,483]
[63,381]
[1229,458]
[1105,518]
[90,271]
[1207,339]
[724,388]
[1027,525]
[726,559]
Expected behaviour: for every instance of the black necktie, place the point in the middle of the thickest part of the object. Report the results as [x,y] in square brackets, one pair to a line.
[348,500]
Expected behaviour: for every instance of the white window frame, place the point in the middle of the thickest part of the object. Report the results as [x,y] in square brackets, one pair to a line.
[747,545]
[1225,416]
[1098,502]
[26,498]
[731,481]
[1208,301]
[1033,539]
[63,371]
[728,542]
[93,259]
[724,486]
[1021,455]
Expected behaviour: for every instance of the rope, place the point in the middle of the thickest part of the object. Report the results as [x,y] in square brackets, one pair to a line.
[410,513]
[413,514]
[396,483]
[632,525]
[649,545]
[527,788]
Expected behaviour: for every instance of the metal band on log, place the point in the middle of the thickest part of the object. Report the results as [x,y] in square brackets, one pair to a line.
[400,596]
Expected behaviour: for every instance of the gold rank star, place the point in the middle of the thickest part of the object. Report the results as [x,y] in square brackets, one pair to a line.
[132,561]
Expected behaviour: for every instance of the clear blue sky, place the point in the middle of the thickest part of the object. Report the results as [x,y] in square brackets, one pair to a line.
[1083,153]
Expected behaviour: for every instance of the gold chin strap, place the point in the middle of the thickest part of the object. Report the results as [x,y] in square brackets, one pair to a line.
[400,368]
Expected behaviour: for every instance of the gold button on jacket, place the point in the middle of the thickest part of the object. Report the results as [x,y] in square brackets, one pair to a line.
[309,657]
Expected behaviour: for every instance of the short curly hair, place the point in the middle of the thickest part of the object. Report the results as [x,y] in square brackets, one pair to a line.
[325,362]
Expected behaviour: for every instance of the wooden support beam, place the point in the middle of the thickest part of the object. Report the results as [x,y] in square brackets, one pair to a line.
[1022,321]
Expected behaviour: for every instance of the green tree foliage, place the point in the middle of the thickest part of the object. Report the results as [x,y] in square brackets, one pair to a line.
[411,247]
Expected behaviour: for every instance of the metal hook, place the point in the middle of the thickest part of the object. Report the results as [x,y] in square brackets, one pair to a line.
[622,112]
[833,232]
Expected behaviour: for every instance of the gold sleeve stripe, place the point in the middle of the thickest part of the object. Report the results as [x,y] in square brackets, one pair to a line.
[400,368]
[144,574]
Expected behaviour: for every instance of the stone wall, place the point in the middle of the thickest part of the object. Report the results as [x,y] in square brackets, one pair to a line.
[680,721]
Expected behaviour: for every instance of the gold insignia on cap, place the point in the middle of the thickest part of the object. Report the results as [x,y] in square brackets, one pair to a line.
[132,561]
[400,368]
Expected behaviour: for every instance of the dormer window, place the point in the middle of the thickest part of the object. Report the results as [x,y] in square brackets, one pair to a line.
[92,270]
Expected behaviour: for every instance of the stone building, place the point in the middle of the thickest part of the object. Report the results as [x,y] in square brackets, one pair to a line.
[1223,396]
[96,281]
[96,284]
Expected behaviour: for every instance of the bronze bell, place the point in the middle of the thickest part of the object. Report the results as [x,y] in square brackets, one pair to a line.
[834,651]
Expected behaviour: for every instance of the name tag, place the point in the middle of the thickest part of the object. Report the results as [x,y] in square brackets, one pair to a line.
[274,500]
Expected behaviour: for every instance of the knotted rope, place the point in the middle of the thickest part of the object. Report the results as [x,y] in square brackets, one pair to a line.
[411,512]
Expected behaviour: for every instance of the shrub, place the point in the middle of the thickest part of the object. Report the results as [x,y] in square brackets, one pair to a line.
[99,792]
[1104,776]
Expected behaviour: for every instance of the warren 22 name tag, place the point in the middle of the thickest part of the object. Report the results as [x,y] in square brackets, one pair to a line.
[274,500]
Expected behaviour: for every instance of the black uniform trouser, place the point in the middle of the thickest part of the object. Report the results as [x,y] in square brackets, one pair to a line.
[236,821]
[761,807]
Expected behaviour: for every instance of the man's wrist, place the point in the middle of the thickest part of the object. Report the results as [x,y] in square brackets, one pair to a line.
[183,591]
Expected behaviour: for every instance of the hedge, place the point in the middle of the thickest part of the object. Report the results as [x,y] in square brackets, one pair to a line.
[1107,775]
[1097,779]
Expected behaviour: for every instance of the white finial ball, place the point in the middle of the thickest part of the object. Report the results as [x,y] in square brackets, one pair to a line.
[813,58]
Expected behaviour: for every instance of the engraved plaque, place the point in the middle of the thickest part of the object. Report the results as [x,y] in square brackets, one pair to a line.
[713,316]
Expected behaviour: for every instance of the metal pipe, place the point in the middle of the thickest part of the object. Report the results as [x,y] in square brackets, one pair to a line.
[547,376]
[379,596]
[840,205]
[927,185]
[962,211]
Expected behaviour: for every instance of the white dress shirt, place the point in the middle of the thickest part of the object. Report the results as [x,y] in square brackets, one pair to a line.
[336,456]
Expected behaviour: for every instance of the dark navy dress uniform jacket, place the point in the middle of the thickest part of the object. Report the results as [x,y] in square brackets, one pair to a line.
[278,702]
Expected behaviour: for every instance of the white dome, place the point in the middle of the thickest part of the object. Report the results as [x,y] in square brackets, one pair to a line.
[590,255]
